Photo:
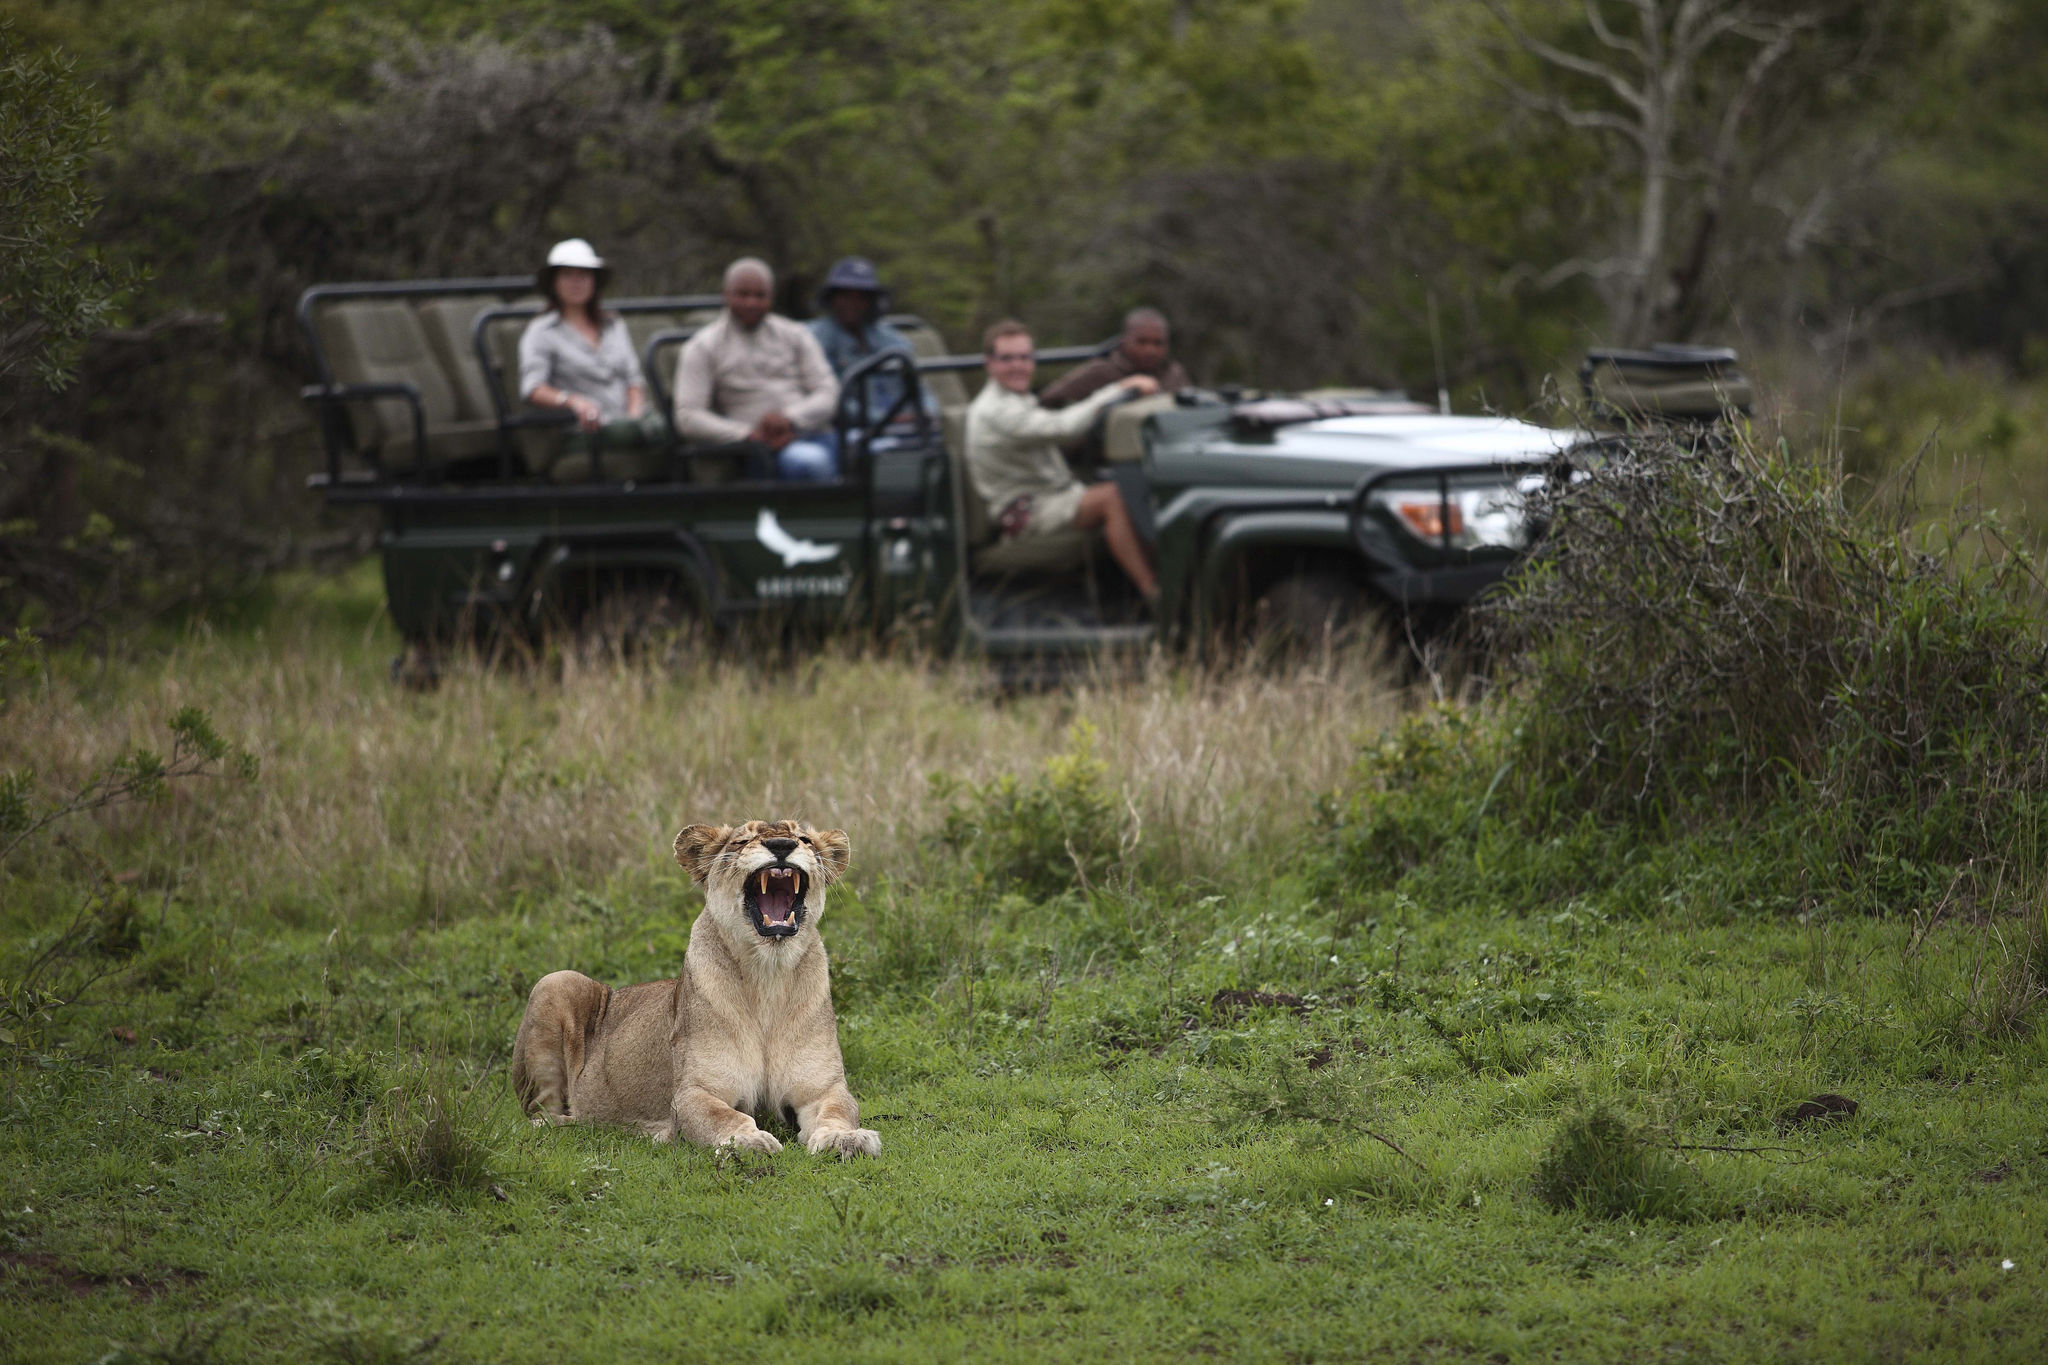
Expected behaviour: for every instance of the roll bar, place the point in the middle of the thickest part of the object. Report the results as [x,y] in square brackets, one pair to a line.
[1046,355]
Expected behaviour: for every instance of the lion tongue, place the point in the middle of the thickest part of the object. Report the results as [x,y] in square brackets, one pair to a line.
[777,895]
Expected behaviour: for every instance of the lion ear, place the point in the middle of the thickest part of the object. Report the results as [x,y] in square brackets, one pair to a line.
[696,845]
[834,853]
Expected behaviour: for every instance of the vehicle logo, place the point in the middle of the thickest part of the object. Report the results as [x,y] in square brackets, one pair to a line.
[769,532]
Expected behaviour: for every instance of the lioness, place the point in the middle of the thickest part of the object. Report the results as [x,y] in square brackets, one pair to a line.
[746,1028]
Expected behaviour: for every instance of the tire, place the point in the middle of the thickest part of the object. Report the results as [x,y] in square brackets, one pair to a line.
[1319,615]
[639,623]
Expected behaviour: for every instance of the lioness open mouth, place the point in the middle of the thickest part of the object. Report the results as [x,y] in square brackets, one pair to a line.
[774,899]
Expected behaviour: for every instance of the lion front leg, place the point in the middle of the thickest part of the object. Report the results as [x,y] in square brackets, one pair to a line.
[704,1118]
[831,1123]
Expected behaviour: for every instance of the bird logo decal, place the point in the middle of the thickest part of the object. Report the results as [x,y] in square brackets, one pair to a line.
[769,532]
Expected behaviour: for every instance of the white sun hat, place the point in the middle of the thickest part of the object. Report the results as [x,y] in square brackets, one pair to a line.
[574,251]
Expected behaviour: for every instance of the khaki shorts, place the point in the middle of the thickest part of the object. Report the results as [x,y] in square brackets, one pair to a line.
[1050,513]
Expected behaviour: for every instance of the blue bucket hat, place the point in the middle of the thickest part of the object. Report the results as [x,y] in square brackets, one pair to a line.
[856,273]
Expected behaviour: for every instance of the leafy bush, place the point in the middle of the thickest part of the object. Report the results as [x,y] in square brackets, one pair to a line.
[1719,676]
[1710,622]
[1041,834]
[1601,1164]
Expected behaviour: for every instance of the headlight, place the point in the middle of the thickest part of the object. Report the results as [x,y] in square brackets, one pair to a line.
[1490,516]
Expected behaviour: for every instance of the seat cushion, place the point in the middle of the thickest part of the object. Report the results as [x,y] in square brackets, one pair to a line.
[445,442]
[1036,554]
[620,464]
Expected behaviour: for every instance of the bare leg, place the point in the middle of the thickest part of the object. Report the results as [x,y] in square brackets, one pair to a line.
[1103,505]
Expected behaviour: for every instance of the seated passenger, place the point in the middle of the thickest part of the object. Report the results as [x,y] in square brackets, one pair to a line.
[1014,460]
[751,375]
[850,327]
[1141,350]
[579,358]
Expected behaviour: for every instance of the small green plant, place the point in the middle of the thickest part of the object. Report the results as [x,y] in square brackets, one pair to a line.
[1039,835]
[425,1139]
[1600,1163]
[135,775]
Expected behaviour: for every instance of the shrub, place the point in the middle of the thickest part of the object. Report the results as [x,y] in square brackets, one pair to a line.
[1041,834]
[1599,1163]
[1710,622]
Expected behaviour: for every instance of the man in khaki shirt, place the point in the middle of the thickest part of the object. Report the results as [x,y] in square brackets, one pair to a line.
[753,376]
[1014,460]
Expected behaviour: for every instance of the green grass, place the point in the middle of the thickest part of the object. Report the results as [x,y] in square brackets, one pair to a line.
[310,1149]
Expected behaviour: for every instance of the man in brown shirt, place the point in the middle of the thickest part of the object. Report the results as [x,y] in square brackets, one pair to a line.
[1141,350]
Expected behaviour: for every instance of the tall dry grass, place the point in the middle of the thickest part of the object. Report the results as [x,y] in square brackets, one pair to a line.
[379,805]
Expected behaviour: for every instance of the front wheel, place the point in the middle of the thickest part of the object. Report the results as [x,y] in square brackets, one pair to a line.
[643,623]
[1320,615]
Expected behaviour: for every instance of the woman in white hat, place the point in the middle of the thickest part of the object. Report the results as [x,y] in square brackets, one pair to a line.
[579,358]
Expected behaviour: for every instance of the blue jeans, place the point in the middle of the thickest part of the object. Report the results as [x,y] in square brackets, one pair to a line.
[811,457]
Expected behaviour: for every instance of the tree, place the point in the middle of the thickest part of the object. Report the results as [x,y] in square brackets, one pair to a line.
[53,291]
[1699,99]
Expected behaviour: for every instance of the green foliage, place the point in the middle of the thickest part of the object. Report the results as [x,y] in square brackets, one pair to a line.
[1167,1075]
[54,289]
[25,1010]
[1600,1163]
[425,1138]
[1707,624]
[1726,688]
[136,775]
[1041,834]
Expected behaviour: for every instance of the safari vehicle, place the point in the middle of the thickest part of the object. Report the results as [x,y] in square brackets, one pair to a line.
[1291,514]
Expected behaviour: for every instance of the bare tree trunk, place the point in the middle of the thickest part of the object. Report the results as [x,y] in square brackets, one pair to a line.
[1650,96]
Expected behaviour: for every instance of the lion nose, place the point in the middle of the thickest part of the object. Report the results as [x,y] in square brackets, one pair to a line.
[781,848]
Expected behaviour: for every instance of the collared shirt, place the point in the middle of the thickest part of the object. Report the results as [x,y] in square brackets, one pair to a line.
[729,377]
[1104,370]
[554,353]
[844,350]
[1013,443]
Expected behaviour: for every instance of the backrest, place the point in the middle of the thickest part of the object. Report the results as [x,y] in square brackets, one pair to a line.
[1692,382]
[947,388]
[381,341]
[447,323]
[501,339]
[537,446]
[641,326]
[1123,437]
[973,511]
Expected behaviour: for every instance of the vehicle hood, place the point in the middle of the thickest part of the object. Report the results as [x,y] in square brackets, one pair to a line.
[1339,451]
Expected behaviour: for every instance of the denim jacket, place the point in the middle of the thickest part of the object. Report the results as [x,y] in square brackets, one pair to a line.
[845,349]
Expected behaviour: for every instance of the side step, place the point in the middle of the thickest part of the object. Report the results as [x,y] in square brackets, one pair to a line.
[1013,640]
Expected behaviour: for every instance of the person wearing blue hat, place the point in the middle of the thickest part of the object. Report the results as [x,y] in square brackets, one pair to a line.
[851,306]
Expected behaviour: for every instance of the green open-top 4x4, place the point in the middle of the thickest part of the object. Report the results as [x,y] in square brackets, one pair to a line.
[1289,513]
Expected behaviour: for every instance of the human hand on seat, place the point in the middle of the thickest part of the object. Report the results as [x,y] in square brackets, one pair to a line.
[773,430]
[588,416]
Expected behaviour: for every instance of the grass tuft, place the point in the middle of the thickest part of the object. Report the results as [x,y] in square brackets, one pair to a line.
[1600,1163]
[424,1139]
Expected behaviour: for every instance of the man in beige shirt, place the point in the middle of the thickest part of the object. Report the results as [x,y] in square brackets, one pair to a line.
[753,376]
[1015,464]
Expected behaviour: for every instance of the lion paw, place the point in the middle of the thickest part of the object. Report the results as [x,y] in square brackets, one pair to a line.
[848,1142]
[753,1140]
